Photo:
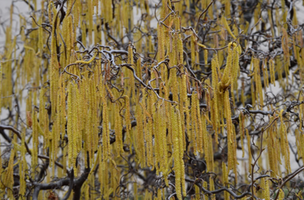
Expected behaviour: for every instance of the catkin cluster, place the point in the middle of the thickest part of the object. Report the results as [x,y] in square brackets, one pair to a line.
[161,100]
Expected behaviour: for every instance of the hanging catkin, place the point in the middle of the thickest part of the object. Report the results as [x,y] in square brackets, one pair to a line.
[176,154]
[9,175]
[226,80]
[180,137]
[70,124]
[35,139]
[284,143]
[225,179]
[194,125]
[215,94]
[249,150]
[207,144]
[140,133]
[22,166]
[257,79]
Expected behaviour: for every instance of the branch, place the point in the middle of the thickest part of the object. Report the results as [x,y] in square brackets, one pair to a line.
[3,127]
[203,13]
[71,175]
[63,182]
[288,178]
[219,190]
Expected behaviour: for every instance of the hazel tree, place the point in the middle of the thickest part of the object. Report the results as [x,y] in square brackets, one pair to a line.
[138,99]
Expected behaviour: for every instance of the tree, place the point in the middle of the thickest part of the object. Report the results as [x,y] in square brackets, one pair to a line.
[140,99]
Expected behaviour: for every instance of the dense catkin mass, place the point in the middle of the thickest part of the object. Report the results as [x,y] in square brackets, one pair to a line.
[135,100]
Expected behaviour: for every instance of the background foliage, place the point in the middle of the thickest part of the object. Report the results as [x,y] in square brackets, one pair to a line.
[139,99]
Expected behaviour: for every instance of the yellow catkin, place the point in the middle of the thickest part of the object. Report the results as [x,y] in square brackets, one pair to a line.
[235,72]
[215,93]
[302,148]
[225,179]
[207,144]
[183,93]
[73,135]
[284,143]
[182,99]
[281,194]
[279,71]
[201,125]
[105,179]
[22,166]
[50,15]
[197,192]
[76,12]
[56,133]
[176,154]
[261,193]
[105,128]
[301,109]
[193,48]
[7,67]
[0,85]
[135,190]
[163,130]
[101,169]
[161,42]
[157,144]
[70,124]
[173,77]
[35,139]
[90,20]
[242,131]
[118,129]
[188,119]
[298,144]
[226,80]
[249,150]
[228,117]
[257,79]
[95,120]
[211,187]
[87,120]
[227,8]
[138,68]
[181,152]
[265,74]
[80,109]
[272,71]
[131,82]
[205,185]
[150,145]
[148,129]
[285,47]
[146,146]
[139,134]
[53,67]
[253,89]
[65,34]
[9,178]
[194,125]
[235,163]
[224,21]
[83,31]
[69,7]
[266,193]
[78,118]
[43,116]
[179,50]
[127,114]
